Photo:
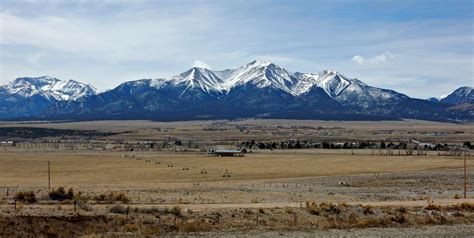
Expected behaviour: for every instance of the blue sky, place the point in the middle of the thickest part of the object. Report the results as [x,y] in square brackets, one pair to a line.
[420,48]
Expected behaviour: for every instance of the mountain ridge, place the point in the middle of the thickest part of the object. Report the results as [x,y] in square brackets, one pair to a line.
[257,89]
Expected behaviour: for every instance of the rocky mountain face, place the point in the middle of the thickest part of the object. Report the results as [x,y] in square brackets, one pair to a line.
[29,97]
[258,89]
[460,96]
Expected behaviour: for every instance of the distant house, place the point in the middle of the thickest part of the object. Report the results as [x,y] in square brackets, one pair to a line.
[423,144]
[230,153]
[7,143]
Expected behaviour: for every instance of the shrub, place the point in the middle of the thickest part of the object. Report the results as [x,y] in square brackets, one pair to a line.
[327,208]
[119,209]
[26,196]
[176,211]
[82,204]
[465,206]
[402,210]
[330,208]
[399,218]
[112,197]
[313,208]
[194,227]
[152,210]
[433,207]
[60,194]
[368,210]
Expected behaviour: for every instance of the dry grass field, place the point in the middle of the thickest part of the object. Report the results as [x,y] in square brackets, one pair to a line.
[112,169]
[224,131]
[320,188]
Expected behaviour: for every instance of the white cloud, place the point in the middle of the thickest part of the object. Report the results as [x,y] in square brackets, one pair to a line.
[358,59]
[201,64]
[35,58]
[378,59]
[105,43]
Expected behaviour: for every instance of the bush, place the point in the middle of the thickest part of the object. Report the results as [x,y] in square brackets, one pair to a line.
[60,194]
[176,211]
[313,208]
[82,204]
[194,227]
[368,210]
[433,207]
[148,210]
[399,218]
[465,206]
[144,210]
[119,209]
[112,197]
[402,210]
[26,196]
[324,208]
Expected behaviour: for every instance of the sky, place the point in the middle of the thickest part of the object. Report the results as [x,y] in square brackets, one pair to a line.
[423,48]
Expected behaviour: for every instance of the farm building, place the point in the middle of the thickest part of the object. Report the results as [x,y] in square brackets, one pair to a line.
[7,143]
[236,153]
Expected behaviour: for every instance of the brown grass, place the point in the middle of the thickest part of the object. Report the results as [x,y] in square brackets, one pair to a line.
[109,168]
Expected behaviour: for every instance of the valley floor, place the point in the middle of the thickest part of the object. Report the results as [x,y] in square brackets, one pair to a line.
[293,193]
[170,191]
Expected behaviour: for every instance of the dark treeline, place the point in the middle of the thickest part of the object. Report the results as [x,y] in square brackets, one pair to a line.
[297,144]
[34,133]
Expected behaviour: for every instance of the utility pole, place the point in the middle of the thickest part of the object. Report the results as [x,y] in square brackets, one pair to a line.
[49,175]
[465,175]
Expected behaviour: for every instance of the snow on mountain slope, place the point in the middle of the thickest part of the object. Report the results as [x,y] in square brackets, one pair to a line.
[199,78]
[50,88]
[256,89]
[333,83]
[347,91]
[262,74]
[71,90]
[201,82]
[258,73]
[459,96]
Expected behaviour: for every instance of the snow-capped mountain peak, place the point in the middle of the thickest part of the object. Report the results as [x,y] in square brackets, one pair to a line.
[199,78]
[261,74]
[50,88]
[259,63]
[459,96]
[333,83]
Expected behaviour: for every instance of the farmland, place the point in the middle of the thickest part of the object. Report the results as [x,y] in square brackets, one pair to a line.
[272,183]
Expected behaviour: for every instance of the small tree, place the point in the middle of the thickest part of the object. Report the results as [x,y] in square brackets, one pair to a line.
[28,196]
[60,194]
[467,144]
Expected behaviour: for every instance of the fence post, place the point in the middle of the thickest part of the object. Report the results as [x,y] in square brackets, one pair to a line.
[49,175]
[257,217]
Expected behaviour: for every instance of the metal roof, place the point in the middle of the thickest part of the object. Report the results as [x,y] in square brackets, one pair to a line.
[227,151]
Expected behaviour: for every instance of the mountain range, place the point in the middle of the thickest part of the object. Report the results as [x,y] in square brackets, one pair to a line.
[256,90]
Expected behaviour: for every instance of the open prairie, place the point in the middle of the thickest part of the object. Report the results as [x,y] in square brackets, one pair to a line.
[228,131]
[272,185]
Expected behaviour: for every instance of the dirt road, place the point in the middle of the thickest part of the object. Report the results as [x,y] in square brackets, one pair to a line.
[215,206]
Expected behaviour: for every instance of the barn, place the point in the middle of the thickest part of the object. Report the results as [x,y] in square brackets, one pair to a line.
[230,153]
